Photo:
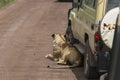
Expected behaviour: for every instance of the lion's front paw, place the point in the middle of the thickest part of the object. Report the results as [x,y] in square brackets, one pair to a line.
[62,62]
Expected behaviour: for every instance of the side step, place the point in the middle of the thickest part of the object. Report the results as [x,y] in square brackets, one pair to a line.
[80,47]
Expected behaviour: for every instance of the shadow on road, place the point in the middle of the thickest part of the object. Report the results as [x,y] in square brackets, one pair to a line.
[78,72]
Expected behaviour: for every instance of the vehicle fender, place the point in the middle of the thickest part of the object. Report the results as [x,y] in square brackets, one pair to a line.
[72,15]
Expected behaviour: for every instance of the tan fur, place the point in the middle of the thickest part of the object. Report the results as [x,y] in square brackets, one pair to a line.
[109,26]
[58,40]
[67,53]
[71,56]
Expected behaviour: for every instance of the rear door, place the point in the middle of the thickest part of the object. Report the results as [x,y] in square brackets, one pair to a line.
[86,17]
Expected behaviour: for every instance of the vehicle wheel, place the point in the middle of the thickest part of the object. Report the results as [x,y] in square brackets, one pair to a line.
[69,36]
[90,72]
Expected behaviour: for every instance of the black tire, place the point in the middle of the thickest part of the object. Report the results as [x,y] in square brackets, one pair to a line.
[69,36]
[89,72]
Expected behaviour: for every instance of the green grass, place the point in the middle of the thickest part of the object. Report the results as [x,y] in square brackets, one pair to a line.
[4,2]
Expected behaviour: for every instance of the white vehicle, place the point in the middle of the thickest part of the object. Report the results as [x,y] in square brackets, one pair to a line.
[88,30]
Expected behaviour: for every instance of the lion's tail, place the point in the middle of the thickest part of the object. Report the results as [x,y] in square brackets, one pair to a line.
[62,66]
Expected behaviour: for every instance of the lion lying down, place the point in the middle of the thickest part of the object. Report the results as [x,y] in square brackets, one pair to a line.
[64,53]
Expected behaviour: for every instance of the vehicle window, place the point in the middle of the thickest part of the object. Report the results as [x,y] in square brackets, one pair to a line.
[112,4]
[94,3]
[91,3]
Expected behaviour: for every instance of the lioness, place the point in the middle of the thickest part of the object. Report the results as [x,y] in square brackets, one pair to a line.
[70,55]
[58,39]
[67,53]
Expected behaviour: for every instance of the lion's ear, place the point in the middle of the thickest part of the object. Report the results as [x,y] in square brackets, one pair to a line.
[53,36]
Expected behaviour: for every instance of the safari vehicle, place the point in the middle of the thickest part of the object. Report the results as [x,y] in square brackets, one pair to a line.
[84,21]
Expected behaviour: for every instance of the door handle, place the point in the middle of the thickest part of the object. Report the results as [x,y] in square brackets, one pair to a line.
[93,26]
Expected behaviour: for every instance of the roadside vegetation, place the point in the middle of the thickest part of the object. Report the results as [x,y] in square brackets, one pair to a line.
[4,2]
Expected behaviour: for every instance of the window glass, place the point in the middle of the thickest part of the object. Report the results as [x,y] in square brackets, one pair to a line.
[75,3]
[94,3]
[91,3]
[112,4]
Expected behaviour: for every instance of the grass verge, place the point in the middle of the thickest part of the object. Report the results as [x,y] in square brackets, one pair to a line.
[5,2]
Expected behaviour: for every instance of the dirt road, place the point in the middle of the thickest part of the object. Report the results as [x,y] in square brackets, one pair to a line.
[25,30]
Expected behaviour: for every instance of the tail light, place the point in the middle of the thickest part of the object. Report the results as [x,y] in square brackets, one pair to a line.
[97,37]
[98,43]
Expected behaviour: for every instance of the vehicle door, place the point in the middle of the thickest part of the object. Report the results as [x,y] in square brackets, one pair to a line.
[85,19]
